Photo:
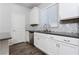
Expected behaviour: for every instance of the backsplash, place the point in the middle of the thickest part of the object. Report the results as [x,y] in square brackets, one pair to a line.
[66,28]
[72,27]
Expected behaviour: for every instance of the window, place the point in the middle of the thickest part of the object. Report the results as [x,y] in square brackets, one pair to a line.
[52,15]
[49,15]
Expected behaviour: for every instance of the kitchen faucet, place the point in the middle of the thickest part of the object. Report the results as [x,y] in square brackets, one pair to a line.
[46,27]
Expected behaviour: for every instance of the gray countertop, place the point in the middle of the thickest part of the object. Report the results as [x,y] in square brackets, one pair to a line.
[5,36]
[73,35]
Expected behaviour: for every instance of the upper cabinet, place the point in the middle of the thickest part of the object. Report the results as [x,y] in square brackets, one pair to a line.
[68,11]
[34,16]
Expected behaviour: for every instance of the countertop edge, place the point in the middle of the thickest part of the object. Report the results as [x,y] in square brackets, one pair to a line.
[5,38]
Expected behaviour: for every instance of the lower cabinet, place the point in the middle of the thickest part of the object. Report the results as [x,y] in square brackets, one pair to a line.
[52,46]
[41,43]
[67,49]
[44,43]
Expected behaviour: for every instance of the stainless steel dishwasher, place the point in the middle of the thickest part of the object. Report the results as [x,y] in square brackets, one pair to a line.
[31,37]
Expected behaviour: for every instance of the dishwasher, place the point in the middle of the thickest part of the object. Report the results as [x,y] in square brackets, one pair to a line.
[31,37]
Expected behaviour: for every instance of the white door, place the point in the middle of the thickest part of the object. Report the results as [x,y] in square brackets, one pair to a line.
[18,28]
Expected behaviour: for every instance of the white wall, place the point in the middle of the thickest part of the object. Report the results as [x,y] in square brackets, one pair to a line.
[5,19]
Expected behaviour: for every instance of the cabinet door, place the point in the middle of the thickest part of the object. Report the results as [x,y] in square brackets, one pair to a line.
[36,40]
[39,41]
[46,44]
[42,44]
[34,16]
[52,47]
[66,49]
[68,10]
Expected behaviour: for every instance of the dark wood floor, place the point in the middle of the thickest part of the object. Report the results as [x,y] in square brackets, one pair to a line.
[24,49]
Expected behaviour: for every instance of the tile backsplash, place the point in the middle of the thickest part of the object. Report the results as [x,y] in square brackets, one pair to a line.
[67,28]
[72,27]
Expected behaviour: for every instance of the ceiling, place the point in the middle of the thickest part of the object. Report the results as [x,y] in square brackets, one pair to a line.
[29,5]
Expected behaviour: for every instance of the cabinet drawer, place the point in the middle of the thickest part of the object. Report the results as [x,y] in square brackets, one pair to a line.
[41,35]
[70,40]
[74,41]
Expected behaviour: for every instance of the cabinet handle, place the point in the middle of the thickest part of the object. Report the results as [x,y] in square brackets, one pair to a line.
[67,40]
[64,40]
[51,37]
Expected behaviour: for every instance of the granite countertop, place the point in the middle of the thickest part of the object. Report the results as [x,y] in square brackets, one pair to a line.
[73,35]
[5,36]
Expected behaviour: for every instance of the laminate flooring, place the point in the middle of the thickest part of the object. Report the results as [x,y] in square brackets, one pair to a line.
[24,49]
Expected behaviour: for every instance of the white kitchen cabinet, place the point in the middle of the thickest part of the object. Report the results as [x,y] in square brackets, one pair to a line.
[68,11]
[52,47]
[41,41]
[34,16]
[44,43]
[67,49]
[59,48]
[56,45]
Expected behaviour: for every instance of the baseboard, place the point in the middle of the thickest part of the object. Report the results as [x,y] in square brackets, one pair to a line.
[17,43]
